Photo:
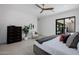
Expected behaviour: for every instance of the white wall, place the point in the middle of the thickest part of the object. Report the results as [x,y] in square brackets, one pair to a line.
[11,15]
[47,23]
[45,27]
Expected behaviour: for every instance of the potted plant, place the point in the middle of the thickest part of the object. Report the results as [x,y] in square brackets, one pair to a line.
[26,29]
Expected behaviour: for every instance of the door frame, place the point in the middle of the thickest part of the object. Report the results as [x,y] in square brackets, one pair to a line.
[64,23]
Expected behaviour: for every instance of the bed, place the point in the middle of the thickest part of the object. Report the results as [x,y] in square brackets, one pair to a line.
[53,47]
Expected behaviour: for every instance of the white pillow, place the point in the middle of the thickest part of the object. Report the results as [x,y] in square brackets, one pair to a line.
[78,46]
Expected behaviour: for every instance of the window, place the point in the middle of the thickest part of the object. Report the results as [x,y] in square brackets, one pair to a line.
[65,25]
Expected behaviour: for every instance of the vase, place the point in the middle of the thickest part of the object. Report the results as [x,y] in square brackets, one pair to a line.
[26,38]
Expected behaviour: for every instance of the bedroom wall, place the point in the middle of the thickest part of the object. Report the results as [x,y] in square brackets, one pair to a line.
[47,23]
[14,15]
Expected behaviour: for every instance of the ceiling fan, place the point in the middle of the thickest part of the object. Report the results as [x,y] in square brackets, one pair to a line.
[43,8]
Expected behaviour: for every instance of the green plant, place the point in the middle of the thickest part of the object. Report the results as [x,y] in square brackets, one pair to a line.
[27,28]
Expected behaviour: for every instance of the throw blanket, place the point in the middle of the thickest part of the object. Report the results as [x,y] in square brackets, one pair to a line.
[44,39]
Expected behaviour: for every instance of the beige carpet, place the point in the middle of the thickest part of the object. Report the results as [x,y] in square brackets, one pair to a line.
[24,47]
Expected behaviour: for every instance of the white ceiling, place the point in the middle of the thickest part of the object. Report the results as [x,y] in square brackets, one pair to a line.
[32,9]
[58,8]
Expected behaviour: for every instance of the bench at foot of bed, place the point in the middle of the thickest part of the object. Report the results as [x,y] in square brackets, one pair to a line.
[39,51]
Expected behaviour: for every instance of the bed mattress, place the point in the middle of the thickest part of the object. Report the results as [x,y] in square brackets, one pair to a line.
[55,47]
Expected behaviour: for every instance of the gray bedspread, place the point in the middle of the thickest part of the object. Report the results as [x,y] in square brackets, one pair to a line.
[44,39]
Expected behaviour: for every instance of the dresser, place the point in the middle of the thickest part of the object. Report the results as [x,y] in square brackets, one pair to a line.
[14,34]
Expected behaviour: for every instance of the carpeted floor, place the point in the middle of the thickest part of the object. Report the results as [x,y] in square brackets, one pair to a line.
[24,47]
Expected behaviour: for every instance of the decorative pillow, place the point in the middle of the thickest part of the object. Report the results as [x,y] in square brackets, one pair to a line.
[73,40]
[71,33]
[64,37]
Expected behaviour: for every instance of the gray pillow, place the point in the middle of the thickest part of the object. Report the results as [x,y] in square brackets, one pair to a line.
[44,39]
[73,40]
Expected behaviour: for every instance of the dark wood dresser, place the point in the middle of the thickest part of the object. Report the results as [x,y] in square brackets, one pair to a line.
[14,34]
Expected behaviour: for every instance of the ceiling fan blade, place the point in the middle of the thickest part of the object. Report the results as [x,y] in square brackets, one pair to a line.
[41,11]
[38,6]
[43,8]
[48,8]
